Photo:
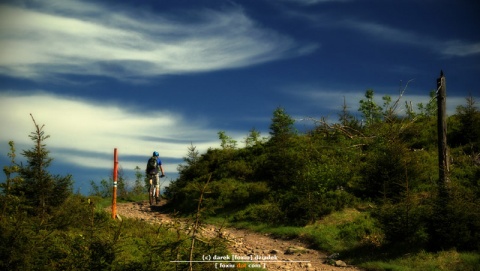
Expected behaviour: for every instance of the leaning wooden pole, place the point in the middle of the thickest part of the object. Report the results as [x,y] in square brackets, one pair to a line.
[115,175]
[442,131]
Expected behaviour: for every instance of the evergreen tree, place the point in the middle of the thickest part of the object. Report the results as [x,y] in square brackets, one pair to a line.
[282,161]
[188,172]
[227,142]
[140,185]
[346,118]
[282,125]
[104,190]
[8,199]
[469,131]
[122,185]
[253,138]
[41,189]
[371,112]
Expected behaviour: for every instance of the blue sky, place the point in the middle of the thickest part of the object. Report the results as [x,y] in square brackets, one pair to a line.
[161,75]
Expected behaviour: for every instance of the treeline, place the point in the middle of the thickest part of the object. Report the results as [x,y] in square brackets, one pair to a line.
[45,226]
[385,160]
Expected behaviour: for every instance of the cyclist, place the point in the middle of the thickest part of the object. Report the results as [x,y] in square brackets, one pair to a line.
[154,165]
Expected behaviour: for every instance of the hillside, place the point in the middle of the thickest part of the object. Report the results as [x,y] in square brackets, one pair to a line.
[367,190]
[281,254]
[385,161]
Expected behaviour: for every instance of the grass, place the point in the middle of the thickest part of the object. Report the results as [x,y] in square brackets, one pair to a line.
[354,235]
[427,261]
[334,233]
[350,232]
[102,203]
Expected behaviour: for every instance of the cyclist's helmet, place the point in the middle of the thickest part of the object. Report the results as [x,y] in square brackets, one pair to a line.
[155,153]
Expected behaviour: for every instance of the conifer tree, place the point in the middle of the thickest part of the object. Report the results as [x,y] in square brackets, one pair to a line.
[41,189]
[282,158]
[282,125]
[252,138]
[8,199]
[469,116]
[140,183]
[370,110]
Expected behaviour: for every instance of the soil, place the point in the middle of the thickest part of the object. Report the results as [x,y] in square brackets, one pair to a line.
[271,253]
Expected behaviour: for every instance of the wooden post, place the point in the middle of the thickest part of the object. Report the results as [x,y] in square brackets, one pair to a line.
[115,175]
[442,131]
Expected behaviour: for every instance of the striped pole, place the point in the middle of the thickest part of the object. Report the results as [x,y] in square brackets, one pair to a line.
[115,175]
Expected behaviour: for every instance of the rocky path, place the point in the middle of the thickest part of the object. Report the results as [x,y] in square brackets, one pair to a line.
[274,254]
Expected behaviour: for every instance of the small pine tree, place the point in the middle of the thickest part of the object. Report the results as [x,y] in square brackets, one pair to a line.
[139,187]
[41,189]
[371,112]
[469,117]
[282,125]
[226,142]
[8,199]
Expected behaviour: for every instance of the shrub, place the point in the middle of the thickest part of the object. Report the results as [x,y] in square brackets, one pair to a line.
[404,223]
[266,212]
[455,221]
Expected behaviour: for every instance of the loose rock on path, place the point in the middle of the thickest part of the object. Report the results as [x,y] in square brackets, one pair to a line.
[275,254]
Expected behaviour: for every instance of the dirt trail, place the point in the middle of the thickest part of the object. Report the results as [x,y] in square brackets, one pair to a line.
[278,254]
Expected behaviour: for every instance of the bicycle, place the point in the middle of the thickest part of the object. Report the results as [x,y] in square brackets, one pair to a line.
[152,190]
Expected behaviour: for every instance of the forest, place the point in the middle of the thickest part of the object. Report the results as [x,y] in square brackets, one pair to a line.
[365,185]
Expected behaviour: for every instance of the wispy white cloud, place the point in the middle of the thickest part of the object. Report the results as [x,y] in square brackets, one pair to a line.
[460,48]
[387,33]
[84,134]
[391,34]
[331,99]
[73,37]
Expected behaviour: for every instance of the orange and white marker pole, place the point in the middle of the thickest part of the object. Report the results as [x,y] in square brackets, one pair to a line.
[115,175]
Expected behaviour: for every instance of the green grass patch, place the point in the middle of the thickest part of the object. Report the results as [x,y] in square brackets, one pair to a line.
[341,231]
[336,232]
[425,261]
[356,236]
[100,203]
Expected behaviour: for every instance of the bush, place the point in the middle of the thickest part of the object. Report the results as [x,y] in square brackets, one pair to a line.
[455,221]
[404,223]
[229,193]
[266,212]
[341,231]
[363,231]
[306,209]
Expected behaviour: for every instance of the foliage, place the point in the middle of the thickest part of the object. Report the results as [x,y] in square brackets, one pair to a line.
[442,261]
[43,226]
[300,184]
[11,197]
[455,220]
[282,125]
[404,223]
[124,193]
[81,237]
[371,112]
[226,142]
[104,190]
[466,132]
[293,179]
[41,190]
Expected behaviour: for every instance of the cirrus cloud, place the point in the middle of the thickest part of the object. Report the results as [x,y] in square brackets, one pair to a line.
[73,37]
[84,133]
